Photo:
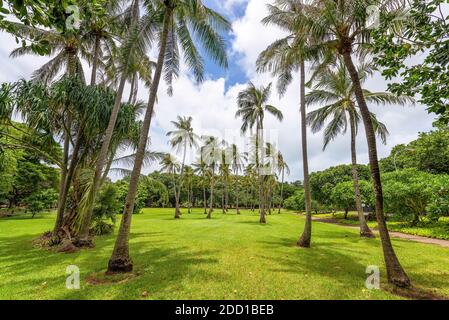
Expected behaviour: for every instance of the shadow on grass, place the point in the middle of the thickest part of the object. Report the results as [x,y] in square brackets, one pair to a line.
[159,267]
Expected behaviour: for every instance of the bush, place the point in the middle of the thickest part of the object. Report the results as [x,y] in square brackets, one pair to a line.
[296,201]
[41,201]
[107,205]
[413,193]
[101,228]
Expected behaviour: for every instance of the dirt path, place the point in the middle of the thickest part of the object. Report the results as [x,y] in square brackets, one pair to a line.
[410,237]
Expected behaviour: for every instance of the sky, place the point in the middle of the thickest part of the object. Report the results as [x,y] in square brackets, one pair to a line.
[212,104]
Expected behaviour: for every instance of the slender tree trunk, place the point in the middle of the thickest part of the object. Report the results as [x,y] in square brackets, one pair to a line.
[101,162]
[178,189]
[222,202]
[237,194]
[365,231]
[281,203]
[306,238]
[103,155]
[131,94]
[108,168]
[120,260]
[93,78]
[259,145]
[204,196]
[395,273]
[211,200]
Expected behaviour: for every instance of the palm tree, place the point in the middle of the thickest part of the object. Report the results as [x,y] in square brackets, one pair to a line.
[252,105]
[171,166]
[188,177]
[211,155]
[133,47]
[282,168]
[334,89]
[237,160]
[182,139]
[179,19]
[200,168]
[342,27]
[282,58]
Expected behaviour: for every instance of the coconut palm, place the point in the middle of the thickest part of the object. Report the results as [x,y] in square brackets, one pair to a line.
[211,155]
[252,106]
[237,160]
[282,168]
[200,168]
[334,89]
[170,165]
[134,45]
[182,139]
[282,58]
[181,21]
[342,27]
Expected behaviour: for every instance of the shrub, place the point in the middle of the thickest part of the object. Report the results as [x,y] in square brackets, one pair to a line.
[41,201]
[101,227]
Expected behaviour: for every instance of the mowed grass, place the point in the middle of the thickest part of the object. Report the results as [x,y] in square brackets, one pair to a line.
[228,257]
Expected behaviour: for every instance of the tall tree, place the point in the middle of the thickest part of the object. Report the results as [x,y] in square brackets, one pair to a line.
[237,160]
[282,58]
[343,27]
[182,139]
[333,89]
[133,46]
[180,22]
[252,105]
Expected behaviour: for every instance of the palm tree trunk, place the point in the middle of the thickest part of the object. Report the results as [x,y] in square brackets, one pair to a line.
[365,231]
[178,189]
[211,200]
[93,78]
[101,162]
[237,194]
[103,155]
[204,196]
[120,260]
[259,145]
[395,273]
[108,168]
[306,238]
[281,203]
[131,94]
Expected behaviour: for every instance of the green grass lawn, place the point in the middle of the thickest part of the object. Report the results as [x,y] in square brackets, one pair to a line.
[228,257]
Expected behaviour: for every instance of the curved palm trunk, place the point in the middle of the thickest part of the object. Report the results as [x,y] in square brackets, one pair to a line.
[395,273]
[306,237]
[365,231]
[120,260]
[101,162]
